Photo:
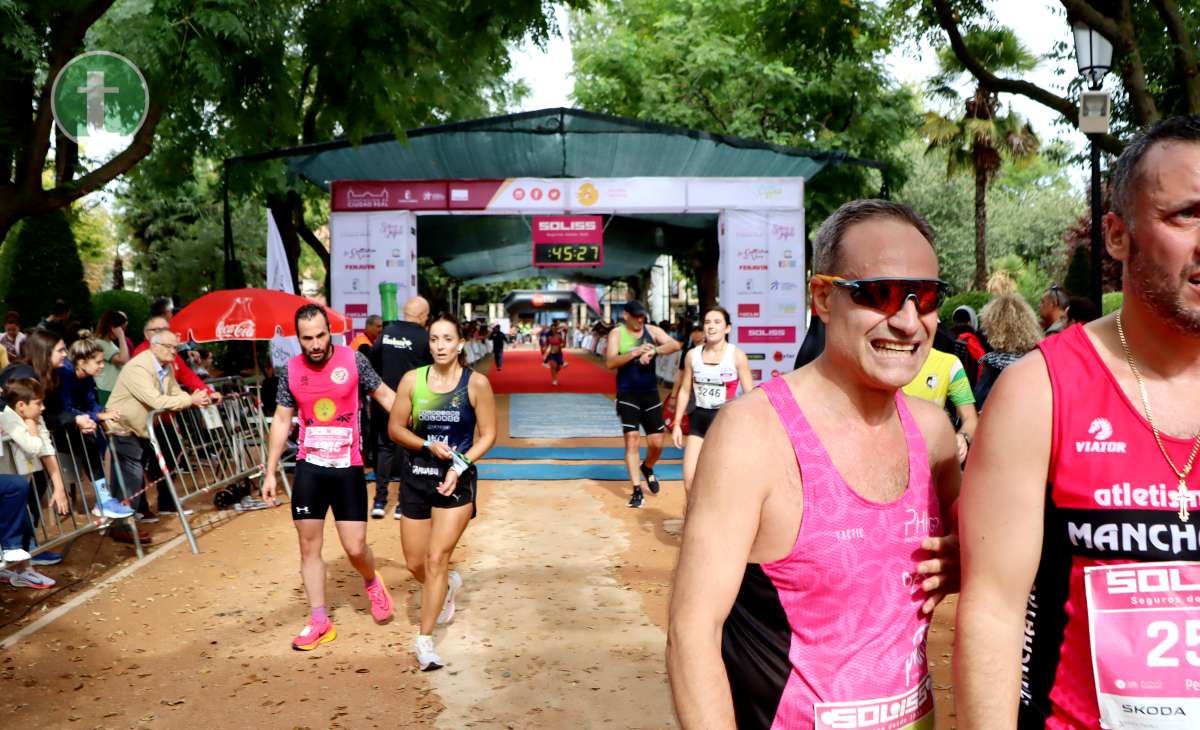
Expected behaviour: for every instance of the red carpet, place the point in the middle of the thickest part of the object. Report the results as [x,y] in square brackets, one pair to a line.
[524,373]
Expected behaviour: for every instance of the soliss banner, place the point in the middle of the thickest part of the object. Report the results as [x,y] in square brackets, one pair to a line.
[374,264]
[1144,620]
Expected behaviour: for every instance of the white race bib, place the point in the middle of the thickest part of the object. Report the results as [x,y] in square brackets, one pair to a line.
[1144,622]
[328,446]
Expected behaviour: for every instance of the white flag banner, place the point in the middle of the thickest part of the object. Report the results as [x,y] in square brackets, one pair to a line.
[279,278]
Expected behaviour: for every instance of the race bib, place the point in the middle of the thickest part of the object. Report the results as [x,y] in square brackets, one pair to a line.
[1144,621]
[328,446]
[912,710]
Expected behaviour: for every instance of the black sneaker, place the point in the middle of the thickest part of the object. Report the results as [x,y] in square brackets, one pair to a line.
[377,510]
[635,501]
[651,480]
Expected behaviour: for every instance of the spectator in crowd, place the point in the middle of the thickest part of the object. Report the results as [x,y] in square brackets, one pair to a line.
[110,334]
[184,376]
[1081,311]
[20,421]
[941,380]
[499,340]
[13,338]
[202,362]
[147,383]
[77,399]
[56,321]
[363,341]
[970,346]
[162,307]
[1013,330]
[1053,310]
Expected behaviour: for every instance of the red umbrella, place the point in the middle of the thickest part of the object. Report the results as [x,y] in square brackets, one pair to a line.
[246,314]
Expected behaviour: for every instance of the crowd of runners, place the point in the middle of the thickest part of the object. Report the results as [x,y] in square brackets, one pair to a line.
[830,510]
[825,508]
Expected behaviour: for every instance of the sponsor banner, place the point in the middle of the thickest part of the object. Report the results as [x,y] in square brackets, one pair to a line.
[524,194]
[783,335]
[785,193]
[912,710]
[368,195]
[749,310]
[373,256]
[568,229]
[629,194]
[1144,620]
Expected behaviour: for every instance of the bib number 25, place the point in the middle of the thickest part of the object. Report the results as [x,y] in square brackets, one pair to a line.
[1168,633]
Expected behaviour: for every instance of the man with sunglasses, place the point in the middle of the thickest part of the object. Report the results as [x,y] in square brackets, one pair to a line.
[1082,488]
[814,551]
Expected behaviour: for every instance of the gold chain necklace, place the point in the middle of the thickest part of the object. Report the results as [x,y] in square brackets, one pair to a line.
[1182,490]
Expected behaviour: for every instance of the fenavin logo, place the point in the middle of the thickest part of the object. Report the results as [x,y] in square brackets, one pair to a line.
[99,95]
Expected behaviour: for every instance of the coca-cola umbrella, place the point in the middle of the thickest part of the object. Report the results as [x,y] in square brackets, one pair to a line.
[246,314]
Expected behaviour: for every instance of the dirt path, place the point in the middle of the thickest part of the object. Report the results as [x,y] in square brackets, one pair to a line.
[561,624]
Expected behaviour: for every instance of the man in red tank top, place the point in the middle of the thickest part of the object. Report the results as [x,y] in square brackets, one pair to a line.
[1081,586]
[814,549]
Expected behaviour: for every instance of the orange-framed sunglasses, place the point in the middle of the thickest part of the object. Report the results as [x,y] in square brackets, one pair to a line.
[888,294]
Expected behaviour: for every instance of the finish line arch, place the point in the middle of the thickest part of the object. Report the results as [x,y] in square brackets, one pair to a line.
[760,223]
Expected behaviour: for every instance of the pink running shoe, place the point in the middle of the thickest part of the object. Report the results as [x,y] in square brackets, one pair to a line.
[314,635]
[381,600]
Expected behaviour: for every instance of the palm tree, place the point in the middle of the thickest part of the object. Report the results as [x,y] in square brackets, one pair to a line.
[979,140]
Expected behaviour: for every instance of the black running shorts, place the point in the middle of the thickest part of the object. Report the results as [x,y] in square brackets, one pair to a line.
[317,488]
[418,487]
[640,409]
[700,420]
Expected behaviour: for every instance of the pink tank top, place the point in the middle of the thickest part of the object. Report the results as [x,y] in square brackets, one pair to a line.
[328,401]
[1111,501]
[832,635]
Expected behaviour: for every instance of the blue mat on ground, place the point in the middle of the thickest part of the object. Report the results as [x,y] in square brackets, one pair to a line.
[548,472]
[572,453]
[561,416]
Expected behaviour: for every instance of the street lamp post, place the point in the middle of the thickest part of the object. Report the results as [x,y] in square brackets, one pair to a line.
[1093,54]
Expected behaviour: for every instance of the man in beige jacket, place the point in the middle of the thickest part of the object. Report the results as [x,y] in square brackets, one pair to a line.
[145,384]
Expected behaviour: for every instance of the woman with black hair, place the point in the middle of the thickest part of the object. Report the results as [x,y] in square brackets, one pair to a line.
[444,415]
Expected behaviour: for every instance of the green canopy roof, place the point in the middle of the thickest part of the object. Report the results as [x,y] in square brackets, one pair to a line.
[551,143]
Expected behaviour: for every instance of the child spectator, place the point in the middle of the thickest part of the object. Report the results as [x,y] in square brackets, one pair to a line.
[13,338]
[21,421]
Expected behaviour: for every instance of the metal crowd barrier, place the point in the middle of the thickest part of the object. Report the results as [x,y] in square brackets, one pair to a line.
[78,464]
[203,450]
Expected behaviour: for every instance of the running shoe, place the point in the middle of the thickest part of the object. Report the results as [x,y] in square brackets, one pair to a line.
[30,578]
[187,512]
[381,600]
[16,555]
[112,509]
[453,584]
[637,498]
[314,635]
[651,480]
[148,517]
[47,558]
[427,657]
[397,514]
[377,510]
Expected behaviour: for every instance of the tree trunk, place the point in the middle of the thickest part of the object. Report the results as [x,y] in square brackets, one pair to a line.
[981,265]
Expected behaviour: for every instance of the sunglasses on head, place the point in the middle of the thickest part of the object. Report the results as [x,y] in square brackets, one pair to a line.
[888,295]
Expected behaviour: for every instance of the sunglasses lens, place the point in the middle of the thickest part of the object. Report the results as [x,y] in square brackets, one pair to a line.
[889,295]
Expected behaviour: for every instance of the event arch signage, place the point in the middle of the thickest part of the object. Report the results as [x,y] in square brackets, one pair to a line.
[761,235]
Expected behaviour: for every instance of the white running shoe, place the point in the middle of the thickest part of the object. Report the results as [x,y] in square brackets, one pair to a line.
[30,578]
[427,657]
[16,555]
[453,584]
